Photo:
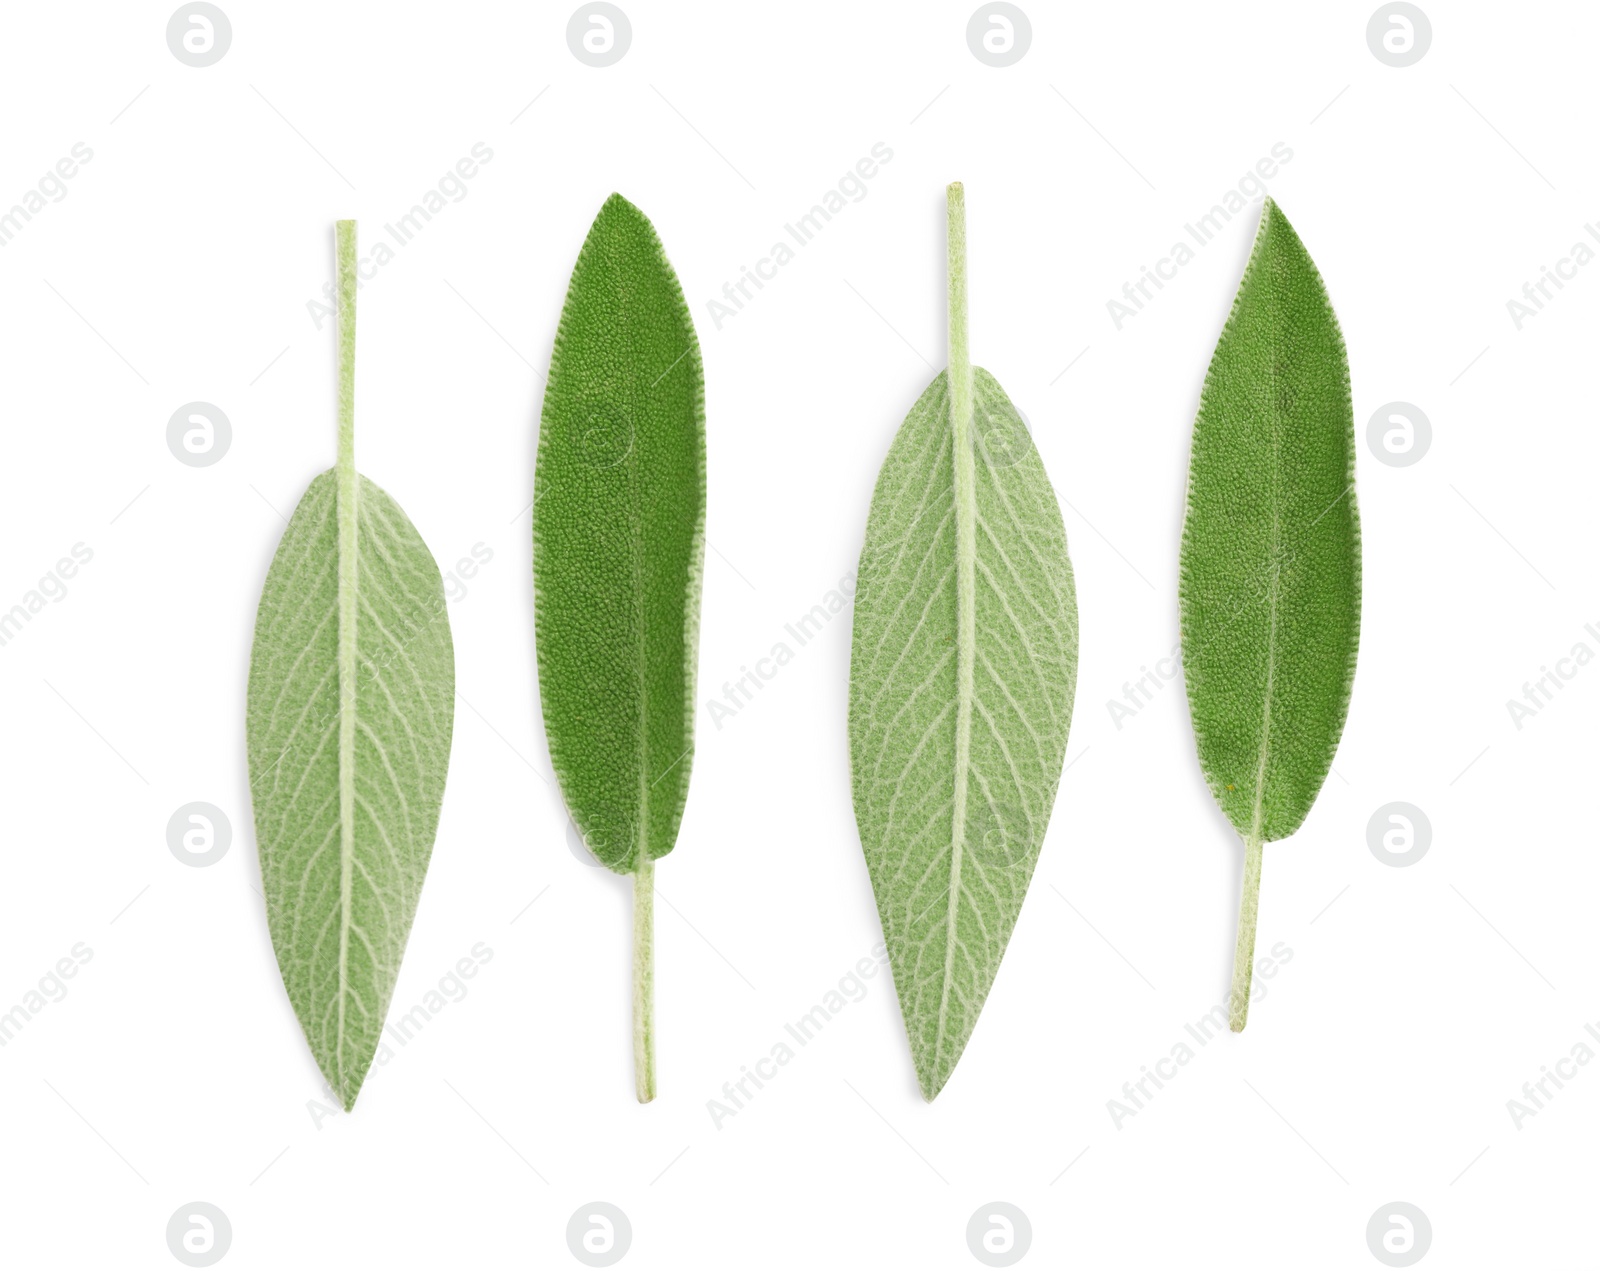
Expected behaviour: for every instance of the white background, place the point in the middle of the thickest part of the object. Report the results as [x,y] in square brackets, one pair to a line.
[178,268]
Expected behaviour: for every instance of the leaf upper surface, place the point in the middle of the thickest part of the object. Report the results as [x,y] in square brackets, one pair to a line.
[1270,580]
[618,530]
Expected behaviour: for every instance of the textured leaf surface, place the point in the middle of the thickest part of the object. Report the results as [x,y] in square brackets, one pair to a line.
[351,702]
[347,773]
[958,731]
[1270,590]
[618,542]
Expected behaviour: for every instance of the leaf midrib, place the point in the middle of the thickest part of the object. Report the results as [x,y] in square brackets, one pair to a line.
[1274,566]
[347,494]
[622,286]
[964,494]
[642,663]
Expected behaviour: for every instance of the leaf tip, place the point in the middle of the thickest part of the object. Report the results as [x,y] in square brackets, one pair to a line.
[930,1080]
[620,215]
[1272,215]
[345,1090]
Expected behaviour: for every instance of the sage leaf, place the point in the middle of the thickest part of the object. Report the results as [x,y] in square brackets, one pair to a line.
[1270,571]
[350,708]
[963,661]
[618,550]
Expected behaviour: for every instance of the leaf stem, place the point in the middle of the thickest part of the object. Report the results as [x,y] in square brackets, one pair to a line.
[644,981]
[956,266]
[345,263]
[1244,951]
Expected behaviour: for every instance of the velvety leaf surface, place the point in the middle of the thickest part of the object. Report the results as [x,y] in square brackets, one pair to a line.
[347,762]
[957,731]
[618,542]
[1270,591]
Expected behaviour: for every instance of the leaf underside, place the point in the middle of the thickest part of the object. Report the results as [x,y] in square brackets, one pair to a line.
[618,542]
[948,893]
[1270,572]
[339,908]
